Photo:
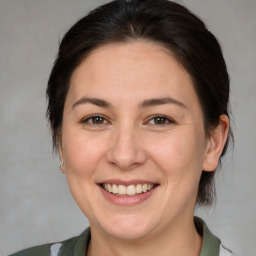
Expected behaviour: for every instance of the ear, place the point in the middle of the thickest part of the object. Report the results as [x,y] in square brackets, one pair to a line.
[215,144]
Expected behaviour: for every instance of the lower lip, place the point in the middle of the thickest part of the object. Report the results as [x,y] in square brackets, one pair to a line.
[127,200]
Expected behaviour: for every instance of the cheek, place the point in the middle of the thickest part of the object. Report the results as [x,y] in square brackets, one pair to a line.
[179,154]
[81,153]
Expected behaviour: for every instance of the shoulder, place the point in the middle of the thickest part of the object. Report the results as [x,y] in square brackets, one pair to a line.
[68,247]
[41,250]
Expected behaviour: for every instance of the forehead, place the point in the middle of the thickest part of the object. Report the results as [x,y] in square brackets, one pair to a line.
[126,70]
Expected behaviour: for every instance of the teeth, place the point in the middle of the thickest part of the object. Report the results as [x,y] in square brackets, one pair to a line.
[131,190]
[121,190]
[150,187]
[139,188]
[145,188]
[127,190]
[114,189]
[109,188]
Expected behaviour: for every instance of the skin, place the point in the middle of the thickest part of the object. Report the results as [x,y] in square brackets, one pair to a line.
[129,143]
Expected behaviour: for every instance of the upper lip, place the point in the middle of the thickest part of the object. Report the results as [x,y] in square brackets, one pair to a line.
[126,182]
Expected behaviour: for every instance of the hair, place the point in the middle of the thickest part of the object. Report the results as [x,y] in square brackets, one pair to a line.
[159,21]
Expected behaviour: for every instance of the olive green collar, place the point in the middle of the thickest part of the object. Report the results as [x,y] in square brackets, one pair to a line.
[211,244]
[210,247]
[77,246]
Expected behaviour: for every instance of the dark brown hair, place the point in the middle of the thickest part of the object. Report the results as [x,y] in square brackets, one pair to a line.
[159,21]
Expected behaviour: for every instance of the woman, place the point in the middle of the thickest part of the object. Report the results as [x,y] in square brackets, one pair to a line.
[139,111]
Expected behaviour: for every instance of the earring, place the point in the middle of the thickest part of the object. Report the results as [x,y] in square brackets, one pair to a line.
[61,166]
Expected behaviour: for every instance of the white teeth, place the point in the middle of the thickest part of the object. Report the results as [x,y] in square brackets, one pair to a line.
[114,189]
[109,188]
[127,190]
[131,190]
[144,188]
[121,190]
[150,187]
[138,188]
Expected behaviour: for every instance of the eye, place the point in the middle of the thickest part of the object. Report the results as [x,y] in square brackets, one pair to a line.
[160,120]
[95,120]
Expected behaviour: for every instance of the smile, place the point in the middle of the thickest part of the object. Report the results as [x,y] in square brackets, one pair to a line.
[130,190]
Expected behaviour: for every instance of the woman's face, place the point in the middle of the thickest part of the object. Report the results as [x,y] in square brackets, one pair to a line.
[133,125]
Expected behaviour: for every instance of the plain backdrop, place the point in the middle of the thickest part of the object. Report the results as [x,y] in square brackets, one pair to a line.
[35,204]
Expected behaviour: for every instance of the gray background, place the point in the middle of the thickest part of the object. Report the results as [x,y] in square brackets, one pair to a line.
[35,204]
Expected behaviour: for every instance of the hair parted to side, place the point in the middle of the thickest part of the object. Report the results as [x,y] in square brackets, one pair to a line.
[159,21]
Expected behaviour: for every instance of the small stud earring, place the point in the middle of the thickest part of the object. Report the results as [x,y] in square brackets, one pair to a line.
[61,166]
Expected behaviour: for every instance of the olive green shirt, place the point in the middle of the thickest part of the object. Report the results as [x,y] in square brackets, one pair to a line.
[77,246]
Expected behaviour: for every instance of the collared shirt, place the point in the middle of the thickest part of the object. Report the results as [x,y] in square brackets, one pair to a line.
[77,246]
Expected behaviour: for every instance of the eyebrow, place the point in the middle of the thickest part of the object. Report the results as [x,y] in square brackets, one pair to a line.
[94,101]
[146,103]
[161,101]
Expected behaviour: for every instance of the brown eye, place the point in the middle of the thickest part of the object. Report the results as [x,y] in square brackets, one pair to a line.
[97,120]
[160,120]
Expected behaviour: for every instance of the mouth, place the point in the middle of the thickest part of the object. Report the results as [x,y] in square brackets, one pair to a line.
[127,191]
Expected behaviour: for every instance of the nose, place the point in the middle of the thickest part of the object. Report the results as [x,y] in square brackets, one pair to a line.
[126,150]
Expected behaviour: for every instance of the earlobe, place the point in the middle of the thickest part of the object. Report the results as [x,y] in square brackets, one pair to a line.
[60,150]
[215,144]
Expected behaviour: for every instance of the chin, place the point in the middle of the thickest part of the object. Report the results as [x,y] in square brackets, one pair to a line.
[129,228]
[129,233]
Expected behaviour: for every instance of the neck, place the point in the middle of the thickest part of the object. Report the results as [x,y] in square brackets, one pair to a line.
[182,239]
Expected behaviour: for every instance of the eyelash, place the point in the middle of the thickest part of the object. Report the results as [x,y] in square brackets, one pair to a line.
[166,120]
